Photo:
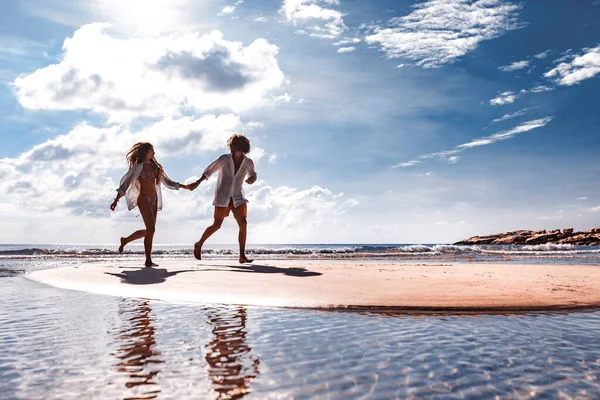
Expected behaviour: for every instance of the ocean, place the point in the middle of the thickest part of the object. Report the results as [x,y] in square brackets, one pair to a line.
[546,253]
[61,344]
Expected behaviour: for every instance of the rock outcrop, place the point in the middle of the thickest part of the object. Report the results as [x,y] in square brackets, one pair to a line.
[590,237]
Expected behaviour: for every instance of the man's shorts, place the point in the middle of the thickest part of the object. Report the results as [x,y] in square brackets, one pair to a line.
[240,211]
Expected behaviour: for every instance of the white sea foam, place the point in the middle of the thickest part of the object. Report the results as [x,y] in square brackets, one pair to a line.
[548,247]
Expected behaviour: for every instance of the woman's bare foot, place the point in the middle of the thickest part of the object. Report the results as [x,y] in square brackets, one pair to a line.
[122,245]
[244,260]
[198,251]
[150,264]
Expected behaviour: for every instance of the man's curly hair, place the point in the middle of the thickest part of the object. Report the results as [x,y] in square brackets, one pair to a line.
[239,142]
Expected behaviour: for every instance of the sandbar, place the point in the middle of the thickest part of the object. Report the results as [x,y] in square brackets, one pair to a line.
[351,284]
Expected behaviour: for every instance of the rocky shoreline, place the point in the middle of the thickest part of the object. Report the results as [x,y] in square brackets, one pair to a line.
[590,237]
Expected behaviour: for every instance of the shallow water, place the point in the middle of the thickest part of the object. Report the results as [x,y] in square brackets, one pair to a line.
[66,345]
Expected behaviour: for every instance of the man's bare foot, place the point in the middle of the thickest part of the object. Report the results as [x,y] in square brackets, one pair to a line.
[198,251]
[244,260]
[150,264]
[122,245]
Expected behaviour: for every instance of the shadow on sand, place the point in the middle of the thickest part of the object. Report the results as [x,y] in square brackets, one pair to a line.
[146,275]
[266,269]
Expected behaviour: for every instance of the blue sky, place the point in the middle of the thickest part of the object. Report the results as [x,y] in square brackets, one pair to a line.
[371,121]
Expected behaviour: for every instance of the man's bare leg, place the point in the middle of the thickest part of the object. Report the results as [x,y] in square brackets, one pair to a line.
[242,223]
[207,233]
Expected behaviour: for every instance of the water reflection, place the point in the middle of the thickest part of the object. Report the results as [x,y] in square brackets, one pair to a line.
[137,356]
[231,362]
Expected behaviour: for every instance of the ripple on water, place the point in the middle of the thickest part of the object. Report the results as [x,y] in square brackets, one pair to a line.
[65,344]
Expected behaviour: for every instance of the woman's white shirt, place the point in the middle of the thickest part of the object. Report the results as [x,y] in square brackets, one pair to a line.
[130,186]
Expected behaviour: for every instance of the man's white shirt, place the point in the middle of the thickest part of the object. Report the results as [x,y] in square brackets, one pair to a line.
[229,183]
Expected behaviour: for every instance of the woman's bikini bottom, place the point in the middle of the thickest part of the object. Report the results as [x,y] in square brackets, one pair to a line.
[152,200]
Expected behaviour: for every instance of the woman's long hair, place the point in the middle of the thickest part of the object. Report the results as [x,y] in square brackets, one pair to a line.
[137,154]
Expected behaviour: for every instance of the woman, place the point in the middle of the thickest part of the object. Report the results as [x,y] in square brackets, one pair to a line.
[141,188]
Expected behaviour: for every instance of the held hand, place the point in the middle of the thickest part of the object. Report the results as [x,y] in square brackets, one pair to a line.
[114,205]
[250,180]
[193,186]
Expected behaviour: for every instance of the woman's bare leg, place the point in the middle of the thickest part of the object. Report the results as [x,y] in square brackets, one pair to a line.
[149,216]
[155,213]
[134,236]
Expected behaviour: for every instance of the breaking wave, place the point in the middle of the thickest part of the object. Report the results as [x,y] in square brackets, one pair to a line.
[313,251]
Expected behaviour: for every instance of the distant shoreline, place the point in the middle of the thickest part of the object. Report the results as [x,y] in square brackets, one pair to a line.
[591,237]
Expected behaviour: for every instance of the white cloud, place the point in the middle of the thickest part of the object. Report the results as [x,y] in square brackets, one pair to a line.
[582,198]
[449,155]
[407,164]
[330,22]
[227,10]
[346,41]
[272,158]
[580,68]
[542,55]
[346,49]
[504,98]
[509,97]
[439,31]
[514,66]
[513,115]
[524,127]
[284,208]
[154,76]
[352,202]
[538,89]
[256,153]
[442,155]
[255,124]
[594,209]
[565,55]
[284,98]
[230,9]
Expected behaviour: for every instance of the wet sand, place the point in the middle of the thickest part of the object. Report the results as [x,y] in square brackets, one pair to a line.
[340,284]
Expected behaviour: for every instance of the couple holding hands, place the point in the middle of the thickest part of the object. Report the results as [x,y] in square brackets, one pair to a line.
[141,188]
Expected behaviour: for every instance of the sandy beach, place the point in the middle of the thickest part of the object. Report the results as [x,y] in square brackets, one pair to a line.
[341,284]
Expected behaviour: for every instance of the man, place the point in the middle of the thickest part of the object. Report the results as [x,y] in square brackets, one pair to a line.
[229,196]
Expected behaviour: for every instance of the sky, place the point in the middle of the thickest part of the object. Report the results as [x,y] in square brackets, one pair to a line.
[370,121]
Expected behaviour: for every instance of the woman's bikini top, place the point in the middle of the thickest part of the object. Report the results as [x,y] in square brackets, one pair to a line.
[145,175]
